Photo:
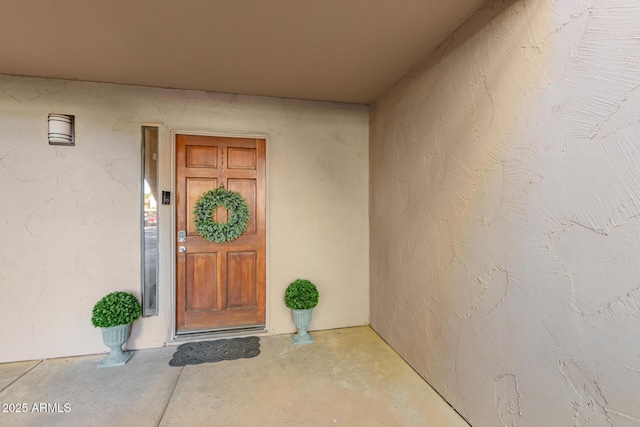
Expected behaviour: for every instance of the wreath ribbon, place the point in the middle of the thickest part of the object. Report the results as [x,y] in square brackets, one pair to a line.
[221,232]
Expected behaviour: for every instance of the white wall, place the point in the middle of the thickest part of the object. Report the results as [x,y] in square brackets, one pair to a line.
[505,215]
[69,222]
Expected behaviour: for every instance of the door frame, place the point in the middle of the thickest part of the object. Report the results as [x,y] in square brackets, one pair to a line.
[173,241]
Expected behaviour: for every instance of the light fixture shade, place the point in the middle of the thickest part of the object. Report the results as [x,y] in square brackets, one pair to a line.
[61,129]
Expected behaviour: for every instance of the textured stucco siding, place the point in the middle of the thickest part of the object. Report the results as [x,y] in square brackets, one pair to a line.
[505,215]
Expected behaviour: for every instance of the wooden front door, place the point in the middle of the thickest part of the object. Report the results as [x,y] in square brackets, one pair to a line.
[220,286]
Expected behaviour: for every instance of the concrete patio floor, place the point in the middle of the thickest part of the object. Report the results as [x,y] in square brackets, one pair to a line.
[349,377]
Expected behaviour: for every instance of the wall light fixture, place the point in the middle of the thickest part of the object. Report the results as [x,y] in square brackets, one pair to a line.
[61,129]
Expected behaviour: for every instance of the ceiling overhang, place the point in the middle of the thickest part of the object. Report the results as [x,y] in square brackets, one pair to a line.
[330,50]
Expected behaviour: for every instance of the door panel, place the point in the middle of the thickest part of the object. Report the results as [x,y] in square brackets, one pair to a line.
[195,187]
[241,268]
[220,286]
[241,158]
[201,281]
[202,157]
[248,190]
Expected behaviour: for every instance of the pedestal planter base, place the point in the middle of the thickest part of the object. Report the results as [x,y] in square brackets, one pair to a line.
[302,319]
[110,361]
[114,338]
[298,339]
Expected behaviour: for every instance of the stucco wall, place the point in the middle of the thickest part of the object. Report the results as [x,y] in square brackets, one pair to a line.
[69,223]
[505,215]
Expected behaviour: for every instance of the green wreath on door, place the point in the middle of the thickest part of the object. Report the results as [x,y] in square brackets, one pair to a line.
[221,232]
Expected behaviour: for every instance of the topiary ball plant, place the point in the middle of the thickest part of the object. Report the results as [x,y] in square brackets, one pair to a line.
[301,294]
[117,308]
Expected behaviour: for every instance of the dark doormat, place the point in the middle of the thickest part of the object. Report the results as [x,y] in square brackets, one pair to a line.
[194,353]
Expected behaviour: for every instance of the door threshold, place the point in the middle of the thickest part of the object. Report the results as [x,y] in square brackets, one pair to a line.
[183,337]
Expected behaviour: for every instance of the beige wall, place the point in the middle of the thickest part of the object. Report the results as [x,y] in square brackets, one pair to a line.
[505,215]
[70,215]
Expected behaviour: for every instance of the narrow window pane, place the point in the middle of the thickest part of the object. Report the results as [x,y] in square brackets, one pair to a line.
[149,221]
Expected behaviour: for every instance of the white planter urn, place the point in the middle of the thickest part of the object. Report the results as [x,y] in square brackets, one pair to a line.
[114,338]
[302,319]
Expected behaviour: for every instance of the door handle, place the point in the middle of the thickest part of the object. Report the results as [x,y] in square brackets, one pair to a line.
[182,249]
